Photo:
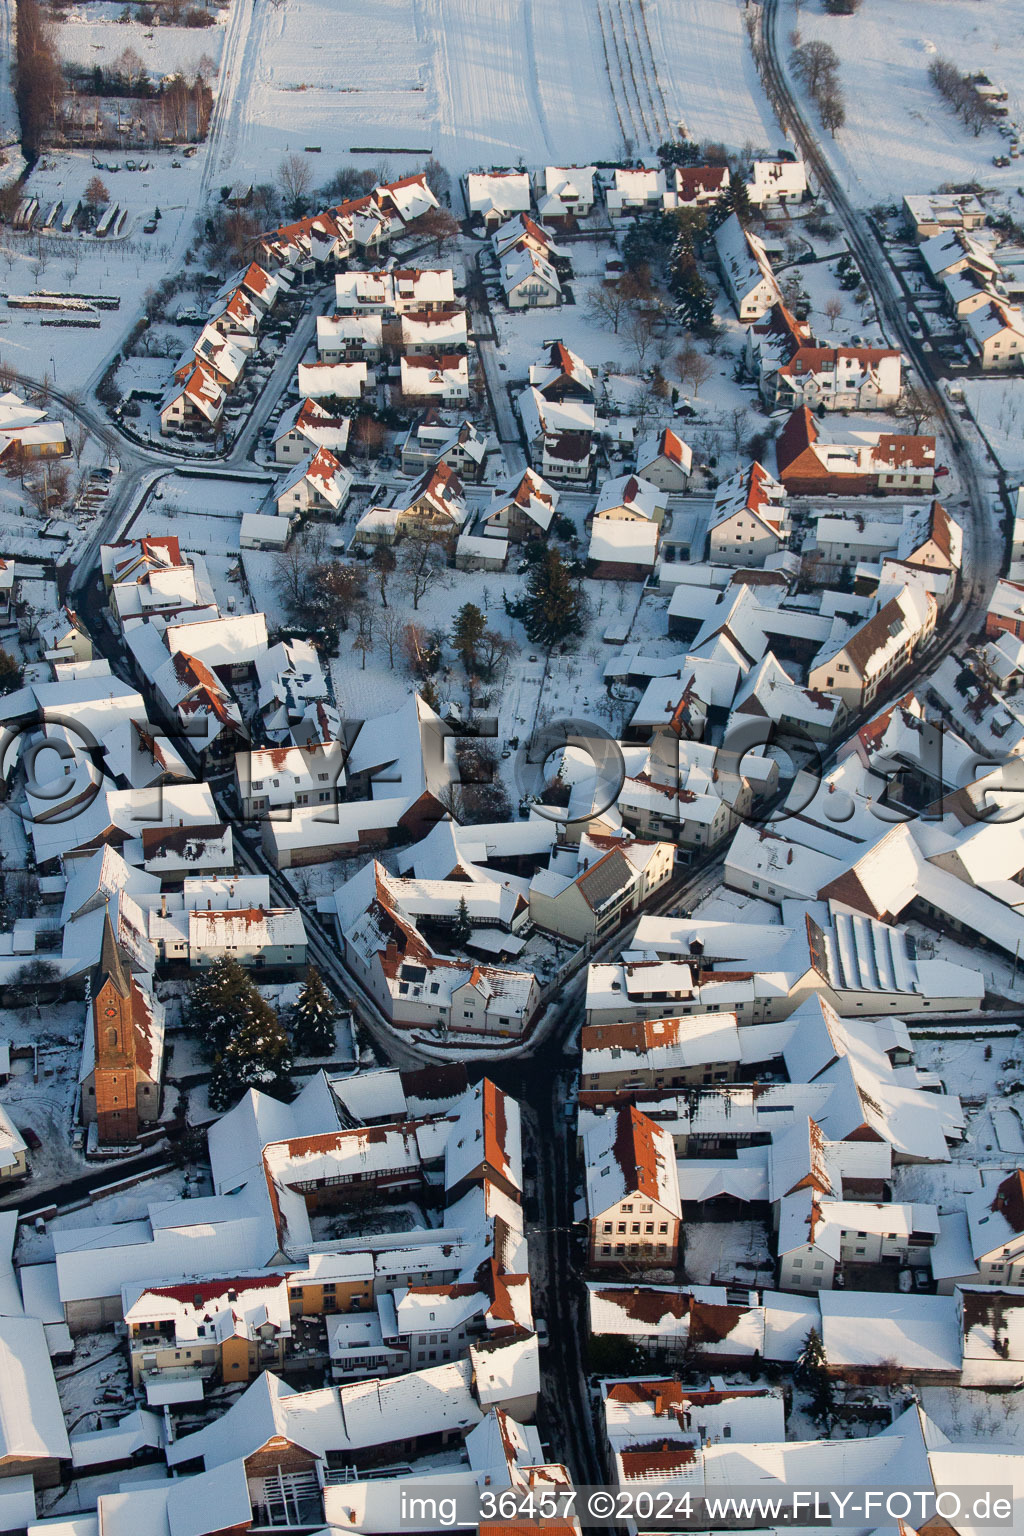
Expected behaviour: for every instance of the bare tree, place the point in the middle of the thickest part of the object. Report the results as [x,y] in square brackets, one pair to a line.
[440,226]
[295,179]
[79,438]
[391,628]
[693,368]
[96,194]
[606,305]
[915,405]
[438,179]
[639,332]
[423,564]
[833,308]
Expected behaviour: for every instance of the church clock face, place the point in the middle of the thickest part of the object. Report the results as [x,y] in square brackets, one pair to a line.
[111,1013]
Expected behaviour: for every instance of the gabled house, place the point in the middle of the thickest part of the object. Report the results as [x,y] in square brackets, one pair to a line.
[701,186]
[341,381]
[433,331]
[562,375]
[195,402]
[747,521]
[529,281]
[794,369]
[746,270]
[611,878]
[433,439]
[995,334]
[565,192]
[628,498]
[635,188]
[434,507]
[323,484]
[877,651]
[521,508]
[632,1192]
[995,1220]
[349,338]
[307,427]
[665,460]
[492,196]
[774,183]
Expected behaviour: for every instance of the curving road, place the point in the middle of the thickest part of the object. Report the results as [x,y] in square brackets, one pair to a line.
[983,553]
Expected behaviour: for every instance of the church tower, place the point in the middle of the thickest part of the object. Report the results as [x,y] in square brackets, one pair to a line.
[116,1073]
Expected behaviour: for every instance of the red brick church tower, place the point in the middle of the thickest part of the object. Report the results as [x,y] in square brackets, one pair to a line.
[116,1070]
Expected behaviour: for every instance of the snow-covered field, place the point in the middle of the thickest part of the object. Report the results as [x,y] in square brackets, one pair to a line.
[94,33]
[899,136]
[481,85]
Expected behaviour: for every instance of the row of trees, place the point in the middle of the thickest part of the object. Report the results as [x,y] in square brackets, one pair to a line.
[39,79]
[960,93]
[244,1038]
[817,64]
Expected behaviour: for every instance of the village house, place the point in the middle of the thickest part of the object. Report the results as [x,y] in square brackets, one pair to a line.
[747,522]
[813,463]
[195,402]
[524,233]
[701,186]
[820,1239]
[222,1330]
[995,334]
[529,281]
[622,548]
[562,375]
[746,270]
[877,651]
[272,779]
[774,183]
[630,499]
[435,506]
[634,188]
[25,432]
[349,338]
[333,381]
[565,192]
[587,891]
[995,1220]
[492,196]
[632,1192]
[433,331]
[521,508]
[664,460]
[794,369]
[929,215]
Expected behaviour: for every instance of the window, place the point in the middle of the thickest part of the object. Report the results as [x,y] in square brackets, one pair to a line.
[819,1264]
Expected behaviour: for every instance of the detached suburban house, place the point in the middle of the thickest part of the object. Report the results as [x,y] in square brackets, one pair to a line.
[321,485]
[492,196]
[746,270]
[307,427]
[529,281]
[197,401]
[521,509]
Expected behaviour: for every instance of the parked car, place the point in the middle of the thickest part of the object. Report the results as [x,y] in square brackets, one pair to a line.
[540,1328]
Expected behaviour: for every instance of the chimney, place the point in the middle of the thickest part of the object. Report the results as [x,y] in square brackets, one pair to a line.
[163,903]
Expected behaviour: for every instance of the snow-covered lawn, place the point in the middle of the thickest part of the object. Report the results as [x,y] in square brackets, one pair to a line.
[716,1252]
[899,137]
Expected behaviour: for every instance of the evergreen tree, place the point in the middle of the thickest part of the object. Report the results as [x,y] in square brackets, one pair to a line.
[428,693]
[737,200]
[10,672]
[678,152]
[811,1372]
[258,1055]
[312,1019]
[467,632]
[220,1001]
[553,608]
[462,927]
